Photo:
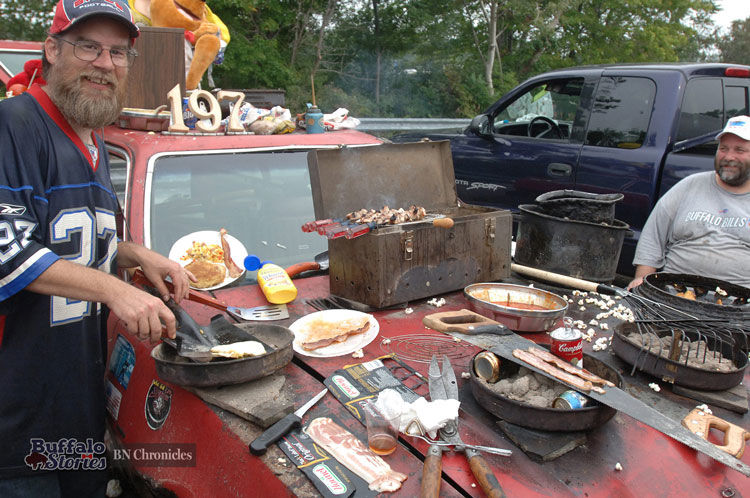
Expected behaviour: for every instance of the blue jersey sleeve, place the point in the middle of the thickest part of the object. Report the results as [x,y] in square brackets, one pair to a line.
[23,255]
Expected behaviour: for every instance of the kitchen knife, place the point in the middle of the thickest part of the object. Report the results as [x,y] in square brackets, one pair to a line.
[277,430]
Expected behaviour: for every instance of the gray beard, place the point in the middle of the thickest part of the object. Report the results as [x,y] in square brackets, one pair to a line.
[734,180]
[84,111]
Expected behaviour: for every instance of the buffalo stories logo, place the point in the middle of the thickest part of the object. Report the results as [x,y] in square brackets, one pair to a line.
[66,454]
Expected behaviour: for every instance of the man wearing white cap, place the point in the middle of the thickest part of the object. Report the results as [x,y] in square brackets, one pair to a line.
[58,253]
[701,226]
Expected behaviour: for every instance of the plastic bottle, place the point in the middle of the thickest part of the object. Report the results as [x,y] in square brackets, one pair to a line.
[272,279]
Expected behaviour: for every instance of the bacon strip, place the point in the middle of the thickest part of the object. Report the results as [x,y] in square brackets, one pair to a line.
[568,367]
[234,270]
[353,454]
[557,373]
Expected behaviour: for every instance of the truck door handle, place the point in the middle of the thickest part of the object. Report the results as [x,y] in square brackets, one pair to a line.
[559,169]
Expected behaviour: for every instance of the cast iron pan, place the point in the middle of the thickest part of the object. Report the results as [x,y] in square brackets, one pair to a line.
[219,371]
[678,372]
[547,419]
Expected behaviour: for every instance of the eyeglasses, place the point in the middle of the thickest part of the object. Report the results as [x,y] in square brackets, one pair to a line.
[90,51]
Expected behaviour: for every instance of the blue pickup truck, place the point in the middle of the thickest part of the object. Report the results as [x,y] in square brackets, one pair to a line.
[630,129]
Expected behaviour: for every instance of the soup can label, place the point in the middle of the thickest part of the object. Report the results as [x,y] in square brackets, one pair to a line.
[568,344]
[570,400]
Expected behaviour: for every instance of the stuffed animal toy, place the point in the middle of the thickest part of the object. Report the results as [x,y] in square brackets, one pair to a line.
[192,16]
[31,74]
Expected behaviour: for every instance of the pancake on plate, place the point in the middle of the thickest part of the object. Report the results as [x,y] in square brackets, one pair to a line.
[208,274]
[321,333]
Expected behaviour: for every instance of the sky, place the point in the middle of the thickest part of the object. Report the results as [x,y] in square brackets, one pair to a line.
[731,10]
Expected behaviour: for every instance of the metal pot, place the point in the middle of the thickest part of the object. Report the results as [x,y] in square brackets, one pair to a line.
[576,248]
[582,206]
[548,419]
[220,372]
[519,320]
[679,372]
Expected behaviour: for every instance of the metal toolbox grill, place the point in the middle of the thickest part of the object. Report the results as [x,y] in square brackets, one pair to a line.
[400,263]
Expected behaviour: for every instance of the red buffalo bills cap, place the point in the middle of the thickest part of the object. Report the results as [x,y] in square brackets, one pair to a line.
[68,13]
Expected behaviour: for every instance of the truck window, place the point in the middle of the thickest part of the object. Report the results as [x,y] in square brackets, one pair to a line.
[621,113]
[702,108]
[262,198]
[557,100]
[735,101]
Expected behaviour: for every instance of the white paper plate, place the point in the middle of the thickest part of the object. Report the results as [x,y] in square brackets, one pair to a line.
[353,343]
[236,248]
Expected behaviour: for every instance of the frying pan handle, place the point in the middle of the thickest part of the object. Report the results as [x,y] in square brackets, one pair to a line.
[484,475]
[197,297]
[298,268]
[432,473]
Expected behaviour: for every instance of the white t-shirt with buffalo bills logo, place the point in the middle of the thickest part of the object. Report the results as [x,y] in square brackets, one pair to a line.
[699,228]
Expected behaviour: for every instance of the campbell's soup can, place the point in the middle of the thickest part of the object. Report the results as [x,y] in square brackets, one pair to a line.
[570,400]
[567,343]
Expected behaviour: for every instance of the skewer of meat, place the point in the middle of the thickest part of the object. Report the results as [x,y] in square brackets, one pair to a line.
[353,454]
[234,270]
[568,367]
[573,380]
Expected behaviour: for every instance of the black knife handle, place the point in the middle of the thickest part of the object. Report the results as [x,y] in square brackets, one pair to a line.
[274,433]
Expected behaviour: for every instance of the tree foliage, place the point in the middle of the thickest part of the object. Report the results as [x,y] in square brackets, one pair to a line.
[735,46]
[25,19]
[431,58]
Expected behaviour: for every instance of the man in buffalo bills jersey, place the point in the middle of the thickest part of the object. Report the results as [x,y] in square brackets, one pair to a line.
[58,253]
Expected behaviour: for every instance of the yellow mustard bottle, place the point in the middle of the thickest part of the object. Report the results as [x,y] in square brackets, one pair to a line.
[272,279]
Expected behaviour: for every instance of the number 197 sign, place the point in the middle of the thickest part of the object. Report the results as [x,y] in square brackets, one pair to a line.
[209,119]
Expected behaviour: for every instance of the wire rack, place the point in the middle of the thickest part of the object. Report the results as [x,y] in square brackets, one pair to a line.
[421,347]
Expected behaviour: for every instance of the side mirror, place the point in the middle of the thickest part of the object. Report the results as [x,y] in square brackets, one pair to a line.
[481,126]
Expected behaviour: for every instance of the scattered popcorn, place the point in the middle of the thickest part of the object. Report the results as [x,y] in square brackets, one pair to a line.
[654,386]
[593,322]
[465,375]
[531,286]
[565,297]
[590,332]
[408,311]
[618,467]
[705,409]
[358,354]
[582,308]
[600,344]
[580,301]
[436,302]
[473,485]
[281,460]
[721,292]
[385,341]
[604,326]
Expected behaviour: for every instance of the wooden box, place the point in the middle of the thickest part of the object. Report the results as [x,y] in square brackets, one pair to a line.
[401,263]
[160,66]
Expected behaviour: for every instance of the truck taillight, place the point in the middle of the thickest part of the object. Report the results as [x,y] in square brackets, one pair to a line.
[737,72]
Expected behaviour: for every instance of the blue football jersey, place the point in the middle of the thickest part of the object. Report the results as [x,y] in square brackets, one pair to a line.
[55,202]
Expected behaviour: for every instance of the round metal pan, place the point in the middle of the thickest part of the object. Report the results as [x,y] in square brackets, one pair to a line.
[220,372]
[680,373]
[547,419]
[663,287]
[519,320]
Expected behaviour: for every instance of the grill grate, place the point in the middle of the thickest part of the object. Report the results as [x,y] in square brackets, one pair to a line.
[421,347]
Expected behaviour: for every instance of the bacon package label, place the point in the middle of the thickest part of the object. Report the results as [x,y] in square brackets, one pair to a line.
[353,385]
[329,477]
